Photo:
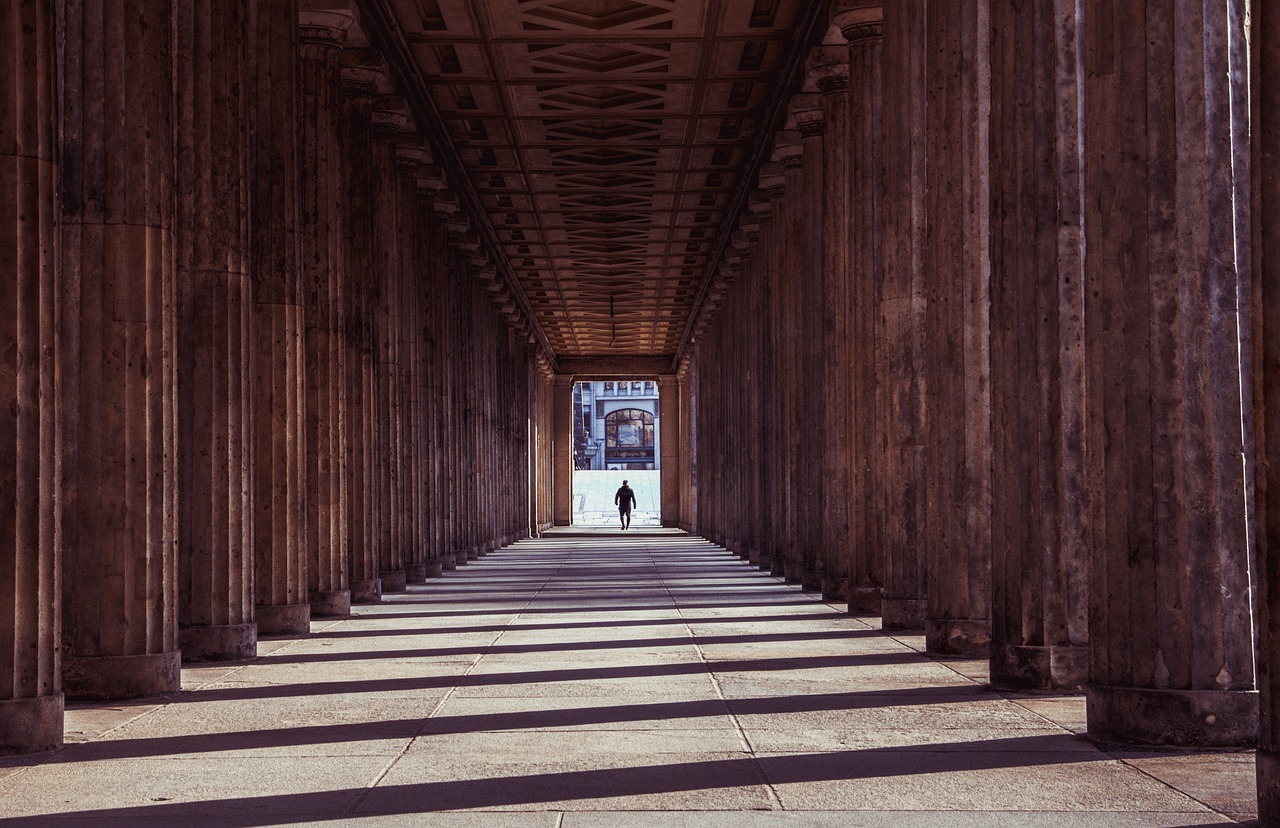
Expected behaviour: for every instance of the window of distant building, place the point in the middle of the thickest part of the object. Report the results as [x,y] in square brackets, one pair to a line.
[608,388]
[648,389]
[628,428]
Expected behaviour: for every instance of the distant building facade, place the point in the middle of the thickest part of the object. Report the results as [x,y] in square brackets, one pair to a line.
[615,425]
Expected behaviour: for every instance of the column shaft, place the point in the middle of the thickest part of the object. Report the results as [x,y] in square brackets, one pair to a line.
[900,403]
[562,451]
[1266,352]
[279,462]
[1041,488]
[358,290]
[323,258]
[1170,628]
[957,362]
[31,705]
[119,619]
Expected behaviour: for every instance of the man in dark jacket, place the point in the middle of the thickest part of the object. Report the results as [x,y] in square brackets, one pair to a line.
[624,499]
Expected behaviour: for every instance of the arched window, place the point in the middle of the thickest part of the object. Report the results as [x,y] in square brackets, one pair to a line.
[628,428]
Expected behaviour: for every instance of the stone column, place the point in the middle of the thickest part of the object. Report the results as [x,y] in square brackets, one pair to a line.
[840,538]
[323,235]
[806,115]
[215,304]
[388,122]
[562,450]
[1166,167]
[957,363]
[899,512]
[861,26]
[431,243]
[1041,487]
[119,618]
[31,443]
[361,73]
[1266,260]
[409,154]
[279,471]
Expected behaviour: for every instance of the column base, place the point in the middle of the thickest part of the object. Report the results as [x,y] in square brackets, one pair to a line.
[331,604]
[1187,718]
[776,562]
[415,573]
[99,678]
[433,569]
[866,601]
[1268,765]
[1052,669]
[448,562]
[30,725]
[460,558]
[218,642]
[810,581]
[366,591]
[283,619]
[473,554]
[958,636]
[393,580]
[902,614]
[833,588]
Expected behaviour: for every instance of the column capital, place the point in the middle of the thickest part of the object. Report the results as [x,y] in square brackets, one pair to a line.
[788,152]
[829,69]
[363,72]
[860,22]
[324,28]
[445,202]
[805,115]
[390,118]
[411,153]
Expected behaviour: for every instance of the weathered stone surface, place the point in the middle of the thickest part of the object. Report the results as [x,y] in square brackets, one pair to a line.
[215,305]
[30,435]
[278,352]
[118,369]
[1167,241]
[956,360]
[1042,489]
[322,263]
[900,380]
[1266,353]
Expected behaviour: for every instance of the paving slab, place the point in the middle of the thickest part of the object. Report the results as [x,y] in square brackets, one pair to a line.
[595,678]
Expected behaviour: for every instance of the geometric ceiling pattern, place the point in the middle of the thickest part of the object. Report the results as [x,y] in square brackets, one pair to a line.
[605,140]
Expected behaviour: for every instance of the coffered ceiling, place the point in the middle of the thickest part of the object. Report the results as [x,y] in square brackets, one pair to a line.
[607,141]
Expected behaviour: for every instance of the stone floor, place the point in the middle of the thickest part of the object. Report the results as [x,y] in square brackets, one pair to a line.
[594,678]
[593,493]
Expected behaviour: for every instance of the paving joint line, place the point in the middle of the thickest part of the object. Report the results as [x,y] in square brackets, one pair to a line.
[715,685]
[449,694]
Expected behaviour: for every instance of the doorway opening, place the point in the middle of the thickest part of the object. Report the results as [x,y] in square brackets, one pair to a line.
[616,437]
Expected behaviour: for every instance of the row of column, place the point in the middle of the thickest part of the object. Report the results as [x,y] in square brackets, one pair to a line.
[259,367]
[968,426]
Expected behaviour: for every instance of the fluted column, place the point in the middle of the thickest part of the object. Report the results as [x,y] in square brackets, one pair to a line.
[427,285]
[409,153]
[279,470]
[900,404]
[30,440]
[806,115]
[119,619]
[1041,488]
[360,76]
[840,538]
[386,461]
[1266,352]
[323,258]
[861,26]
[957,363]
[562,450]
[215,304]
[1166,230]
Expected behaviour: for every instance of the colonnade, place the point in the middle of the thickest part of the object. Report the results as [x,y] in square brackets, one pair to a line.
[260,365]
[993,295]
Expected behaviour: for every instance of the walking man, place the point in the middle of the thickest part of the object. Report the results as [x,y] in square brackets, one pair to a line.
[625,498]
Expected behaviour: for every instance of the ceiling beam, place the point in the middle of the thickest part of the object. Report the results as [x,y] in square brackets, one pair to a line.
[592,369]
